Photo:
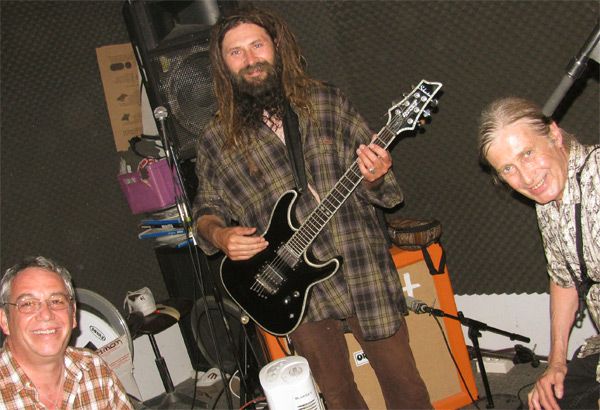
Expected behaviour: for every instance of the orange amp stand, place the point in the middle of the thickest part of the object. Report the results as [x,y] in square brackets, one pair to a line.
[446,388]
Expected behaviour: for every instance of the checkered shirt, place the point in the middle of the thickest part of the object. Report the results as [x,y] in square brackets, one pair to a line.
[89,384]
[367,284]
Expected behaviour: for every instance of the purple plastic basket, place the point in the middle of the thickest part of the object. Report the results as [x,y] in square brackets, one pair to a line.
[152,194]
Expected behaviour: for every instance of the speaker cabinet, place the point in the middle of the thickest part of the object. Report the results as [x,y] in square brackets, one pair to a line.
[220,344]
[209,343]
[170,40]
[446,389]
[182,281]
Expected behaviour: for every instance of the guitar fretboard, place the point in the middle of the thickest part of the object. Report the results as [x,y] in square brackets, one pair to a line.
[404,117]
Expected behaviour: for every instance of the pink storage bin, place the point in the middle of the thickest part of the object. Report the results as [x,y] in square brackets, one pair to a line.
[152,194]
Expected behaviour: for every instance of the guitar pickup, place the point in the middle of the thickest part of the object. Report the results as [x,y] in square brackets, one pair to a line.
[288,256]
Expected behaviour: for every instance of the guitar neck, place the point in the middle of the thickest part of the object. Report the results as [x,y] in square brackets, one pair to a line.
[403,116]
[317,220]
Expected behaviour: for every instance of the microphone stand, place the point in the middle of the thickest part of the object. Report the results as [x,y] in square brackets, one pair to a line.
[475,328]
[183,207]
[574,70]
[181,198]
[246,364]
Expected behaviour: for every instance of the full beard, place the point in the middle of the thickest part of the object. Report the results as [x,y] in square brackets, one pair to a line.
[256,96]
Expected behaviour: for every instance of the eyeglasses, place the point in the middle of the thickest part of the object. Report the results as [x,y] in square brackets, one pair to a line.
[32,305]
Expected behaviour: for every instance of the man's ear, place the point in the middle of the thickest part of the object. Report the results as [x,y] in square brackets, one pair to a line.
[556,135]
[4,322]
[74,315]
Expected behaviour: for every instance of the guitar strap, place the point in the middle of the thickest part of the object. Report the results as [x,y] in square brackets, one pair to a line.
[293,142]
[583,285]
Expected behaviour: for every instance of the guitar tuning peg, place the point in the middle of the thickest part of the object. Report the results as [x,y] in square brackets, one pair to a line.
[426,113]
[434,102]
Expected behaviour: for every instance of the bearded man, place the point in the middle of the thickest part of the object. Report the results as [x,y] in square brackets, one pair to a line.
[265,98]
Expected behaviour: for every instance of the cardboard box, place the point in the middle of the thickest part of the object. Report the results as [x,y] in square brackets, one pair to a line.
[121,82]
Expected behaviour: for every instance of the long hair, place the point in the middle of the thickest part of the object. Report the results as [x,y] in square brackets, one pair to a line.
[504,112]
[296,83]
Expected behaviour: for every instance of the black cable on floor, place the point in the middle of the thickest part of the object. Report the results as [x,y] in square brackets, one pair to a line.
[454,361]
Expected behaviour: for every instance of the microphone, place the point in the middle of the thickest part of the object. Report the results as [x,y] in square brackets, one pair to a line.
[417,306]
[160,113]
[574,70]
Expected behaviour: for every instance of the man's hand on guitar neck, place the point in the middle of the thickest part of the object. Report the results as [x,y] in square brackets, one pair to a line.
[237,242]
[374,162]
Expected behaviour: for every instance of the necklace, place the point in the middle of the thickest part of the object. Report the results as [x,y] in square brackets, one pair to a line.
[59,395]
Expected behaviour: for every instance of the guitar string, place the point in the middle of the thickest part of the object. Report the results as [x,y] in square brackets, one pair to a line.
[302,242]
[318,211]
[299,242]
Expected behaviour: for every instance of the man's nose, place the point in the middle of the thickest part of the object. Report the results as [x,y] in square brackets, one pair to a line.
[251,58]
[45,313]
[526,174]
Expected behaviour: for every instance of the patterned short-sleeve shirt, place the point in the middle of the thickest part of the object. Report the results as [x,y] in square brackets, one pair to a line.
[89,384]
[558,226]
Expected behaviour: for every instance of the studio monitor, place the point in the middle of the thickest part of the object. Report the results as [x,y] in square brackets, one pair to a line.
[170,40]
[182,281]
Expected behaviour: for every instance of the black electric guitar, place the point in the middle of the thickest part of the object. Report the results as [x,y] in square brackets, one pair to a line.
[272,287]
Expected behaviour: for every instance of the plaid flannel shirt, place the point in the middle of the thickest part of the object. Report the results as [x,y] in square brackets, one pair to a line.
[367,284]
[89,384]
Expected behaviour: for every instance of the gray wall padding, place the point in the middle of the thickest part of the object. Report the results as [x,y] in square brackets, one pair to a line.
[60,197]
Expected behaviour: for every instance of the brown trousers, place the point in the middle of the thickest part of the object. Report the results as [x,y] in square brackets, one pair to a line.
[324,346]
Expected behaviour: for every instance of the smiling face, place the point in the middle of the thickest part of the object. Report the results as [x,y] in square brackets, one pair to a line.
[248,52]
[44,334]
[530,163]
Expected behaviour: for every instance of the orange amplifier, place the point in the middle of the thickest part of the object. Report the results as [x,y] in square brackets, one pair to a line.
[446,388]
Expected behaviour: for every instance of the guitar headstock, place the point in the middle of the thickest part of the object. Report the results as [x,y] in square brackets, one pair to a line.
[406,114]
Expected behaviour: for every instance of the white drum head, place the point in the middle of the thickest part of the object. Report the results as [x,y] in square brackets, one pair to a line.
[92,332]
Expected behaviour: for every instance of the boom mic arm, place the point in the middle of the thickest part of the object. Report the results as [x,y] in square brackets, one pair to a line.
[574,70]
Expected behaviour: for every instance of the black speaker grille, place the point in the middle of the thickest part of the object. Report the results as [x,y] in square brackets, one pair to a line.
[185,85]
[201,329]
